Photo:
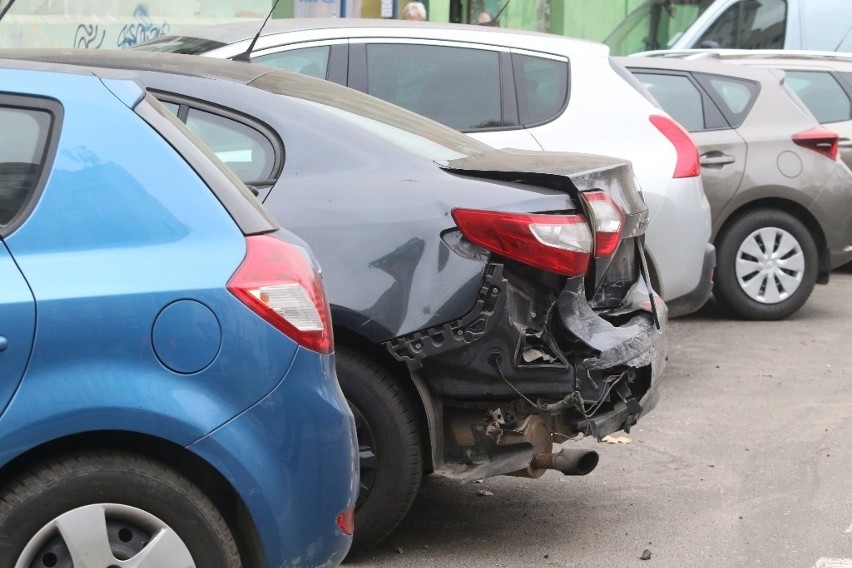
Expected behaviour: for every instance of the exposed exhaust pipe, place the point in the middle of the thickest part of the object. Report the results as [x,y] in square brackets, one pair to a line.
[568,461]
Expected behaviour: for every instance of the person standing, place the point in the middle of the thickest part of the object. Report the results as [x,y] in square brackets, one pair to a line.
[414,11]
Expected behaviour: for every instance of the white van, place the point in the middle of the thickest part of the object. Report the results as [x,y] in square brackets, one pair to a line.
[824,25]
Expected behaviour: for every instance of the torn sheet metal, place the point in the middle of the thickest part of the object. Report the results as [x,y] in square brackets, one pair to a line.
[635,343]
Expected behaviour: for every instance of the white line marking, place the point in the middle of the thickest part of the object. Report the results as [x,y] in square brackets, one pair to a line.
[834,563]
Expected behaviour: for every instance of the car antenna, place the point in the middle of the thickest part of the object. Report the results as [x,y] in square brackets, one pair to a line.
[246,55]
[6,9]
[498,14]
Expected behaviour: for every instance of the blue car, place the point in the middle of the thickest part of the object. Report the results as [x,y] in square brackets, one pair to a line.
[167,383]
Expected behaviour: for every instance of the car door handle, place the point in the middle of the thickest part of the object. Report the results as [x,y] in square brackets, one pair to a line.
[716,159]
[844,143]
[4,343]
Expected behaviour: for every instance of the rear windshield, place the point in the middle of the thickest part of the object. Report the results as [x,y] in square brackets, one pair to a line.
[402,127]
[180,44]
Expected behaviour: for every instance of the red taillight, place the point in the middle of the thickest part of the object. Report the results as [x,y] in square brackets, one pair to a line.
[346,521]
[607,221]
[819,139]
[563,244]
[687,153]
[278,283]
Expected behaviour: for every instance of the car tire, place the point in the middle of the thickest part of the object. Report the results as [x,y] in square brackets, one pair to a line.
[110,506]
[767,265]
[391,459]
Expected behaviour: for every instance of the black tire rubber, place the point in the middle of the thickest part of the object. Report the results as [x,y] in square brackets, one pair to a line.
[385,414]
[77,480]
[726,288]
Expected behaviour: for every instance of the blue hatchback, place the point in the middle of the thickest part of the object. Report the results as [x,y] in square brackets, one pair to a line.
[167,388]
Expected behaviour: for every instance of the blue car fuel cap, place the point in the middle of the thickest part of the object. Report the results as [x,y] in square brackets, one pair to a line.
[187,336]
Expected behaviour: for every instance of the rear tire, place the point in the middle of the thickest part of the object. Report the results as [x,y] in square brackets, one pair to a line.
[389,445]
[767,265]
[100,508]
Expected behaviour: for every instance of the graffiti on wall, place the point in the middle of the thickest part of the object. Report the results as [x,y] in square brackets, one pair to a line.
[89,36]
[143,30]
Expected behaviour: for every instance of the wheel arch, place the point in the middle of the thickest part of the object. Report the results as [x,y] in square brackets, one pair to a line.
[378,354]
[793,208]
[197,470]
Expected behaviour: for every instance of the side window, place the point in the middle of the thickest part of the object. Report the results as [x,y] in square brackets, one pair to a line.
[456,86]
[248,153]
[748,24]
[172,107]
[311,61]
[678,96]
[541,86]
[822,94]
[735,97]
[21,156]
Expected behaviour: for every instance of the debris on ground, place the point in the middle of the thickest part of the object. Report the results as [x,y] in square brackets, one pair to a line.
[617,440]
[484,493]
[646,555]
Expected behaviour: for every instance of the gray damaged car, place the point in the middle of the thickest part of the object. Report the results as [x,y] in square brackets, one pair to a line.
[487,305]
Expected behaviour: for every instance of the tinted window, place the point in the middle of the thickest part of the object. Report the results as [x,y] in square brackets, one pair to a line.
[243,149]
[542,87]
[456,86]
[748,24]
[20,156]
[821,93]
[678,96]
[735,97]
[311,61]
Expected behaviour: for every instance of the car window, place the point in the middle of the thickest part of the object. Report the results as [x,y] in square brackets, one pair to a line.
[542,87]
[735,97]
[456,86]
[21,156]
[748,24]
[311,61]
[246,151]
[822,94]
[678,96]
[173,107]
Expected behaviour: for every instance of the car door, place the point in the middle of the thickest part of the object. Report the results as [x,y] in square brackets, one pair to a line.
[828,95]
[722,151]
[22,157]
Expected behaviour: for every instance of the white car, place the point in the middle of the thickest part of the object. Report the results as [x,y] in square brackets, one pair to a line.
[508,89]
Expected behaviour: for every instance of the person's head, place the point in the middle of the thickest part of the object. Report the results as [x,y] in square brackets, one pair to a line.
[414,11]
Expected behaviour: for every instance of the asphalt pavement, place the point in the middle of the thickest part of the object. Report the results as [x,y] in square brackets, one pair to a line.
[746,461]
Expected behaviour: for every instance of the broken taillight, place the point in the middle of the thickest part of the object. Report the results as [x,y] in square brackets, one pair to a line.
[563,244]
[819,139]
[279,283]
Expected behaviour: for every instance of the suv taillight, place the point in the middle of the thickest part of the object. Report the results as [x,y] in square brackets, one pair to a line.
[819,139]
[687,164]
[278,283]
[563,244]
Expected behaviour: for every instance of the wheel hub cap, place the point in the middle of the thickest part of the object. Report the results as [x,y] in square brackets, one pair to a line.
[770,265]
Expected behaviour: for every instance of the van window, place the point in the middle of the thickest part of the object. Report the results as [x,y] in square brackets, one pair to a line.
[542,87]
[456,86]
[748,24]
[20,156]
[822,94]
[653,25]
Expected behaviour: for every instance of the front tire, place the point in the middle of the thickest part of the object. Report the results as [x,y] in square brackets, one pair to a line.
[100,508]
[391,459]
[767,265]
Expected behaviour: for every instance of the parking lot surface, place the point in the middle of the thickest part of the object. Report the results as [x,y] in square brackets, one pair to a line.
[747,461]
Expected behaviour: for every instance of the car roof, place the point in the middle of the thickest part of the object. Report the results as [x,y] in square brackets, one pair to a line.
[798,57]
[709,66]
[104,62]
[243,31]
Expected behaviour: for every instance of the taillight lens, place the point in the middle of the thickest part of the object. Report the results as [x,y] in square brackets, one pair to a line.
[819,139]
[346,521]
[278,283]
[607,220]
[687,153]
[563,244]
